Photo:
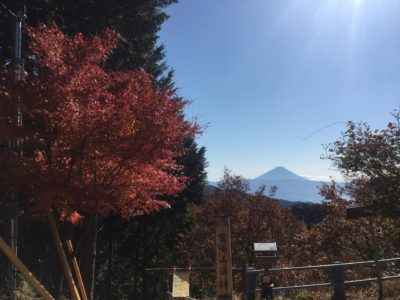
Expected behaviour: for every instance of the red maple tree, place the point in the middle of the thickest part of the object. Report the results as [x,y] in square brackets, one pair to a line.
[93,141]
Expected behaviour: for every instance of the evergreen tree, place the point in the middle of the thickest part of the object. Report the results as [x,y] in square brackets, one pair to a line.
[127,248]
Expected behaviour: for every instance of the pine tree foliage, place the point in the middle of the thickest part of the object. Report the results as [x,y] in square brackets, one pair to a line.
[151,240]
[137,21]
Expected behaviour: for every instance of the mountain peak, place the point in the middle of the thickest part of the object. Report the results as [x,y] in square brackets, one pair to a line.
[279,173]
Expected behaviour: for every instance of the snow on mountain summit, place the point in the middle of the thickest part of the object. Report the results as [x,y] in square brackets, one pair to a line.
[291,186]
[280,173]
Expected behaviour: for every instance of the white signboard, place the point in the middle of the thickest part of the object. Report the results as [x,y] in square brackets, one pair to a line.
[180,284]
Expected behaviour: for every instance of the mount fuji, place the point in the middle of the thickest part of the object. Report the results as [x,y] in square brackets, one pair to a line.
[291,186]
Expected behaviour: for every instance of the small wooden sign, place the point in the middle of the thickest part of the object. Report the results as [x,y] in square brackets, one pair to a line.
[223,258]
[180,284]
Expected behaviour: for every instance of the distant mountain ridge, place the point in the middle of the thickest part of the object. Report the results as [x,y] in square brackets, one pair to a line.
[291,186]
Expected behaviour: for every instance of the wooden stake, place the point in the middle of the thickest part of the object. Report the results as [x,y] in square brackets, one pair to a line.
[24,270]
[61,255]
[77,270]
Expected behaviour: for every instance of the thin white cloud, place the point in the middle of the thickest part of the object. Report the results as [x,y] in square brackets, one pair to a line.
[318,178]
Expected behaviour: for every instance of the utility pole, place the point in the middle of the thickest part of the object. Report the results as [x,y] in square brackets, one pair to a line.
[16,145]
[18,46]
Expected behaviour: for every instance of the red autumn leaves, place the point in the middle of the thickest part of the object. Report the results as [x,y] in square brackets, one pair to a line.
[93,140]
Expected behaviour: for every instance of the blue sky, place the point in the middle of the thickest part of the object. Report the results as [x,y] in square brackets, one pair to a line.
[263,75]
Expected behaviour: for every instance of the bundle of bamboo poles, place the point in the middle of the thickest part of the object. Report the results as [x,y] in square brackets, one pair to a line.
[29,277]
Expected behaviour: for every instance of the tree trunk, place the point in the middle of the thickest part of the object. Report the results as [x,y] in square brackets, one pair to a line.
[145,258]
[110,257]
[137,244]
[88,255]
[9,231]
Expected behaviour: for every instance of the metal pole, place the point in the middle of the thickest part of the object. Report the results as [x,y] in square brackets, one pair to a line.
[18,69]
[18,143]
[338,283]
[250,283]
[18,40]
[14,248]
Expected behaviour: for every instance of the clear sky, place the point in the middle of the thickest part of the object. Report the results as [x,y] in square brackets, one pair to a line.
[263,75]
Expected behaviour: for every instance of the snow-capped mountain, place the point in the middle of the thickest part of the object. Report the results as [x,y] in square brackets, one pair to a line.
[291,186]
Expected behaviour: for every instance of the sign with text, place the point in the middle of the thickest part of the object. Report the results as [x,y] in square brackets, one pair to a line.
[223,258]
[180,284]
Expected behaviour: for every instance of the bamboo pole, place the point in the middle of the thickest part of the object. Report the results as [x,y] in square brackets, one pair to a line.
[61,255]
[24,270]
[77,270]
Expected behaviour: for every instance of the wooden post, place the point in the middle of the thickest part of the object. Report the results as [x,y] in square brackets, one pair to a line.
[24,270]
[61,255]
[224,284]
[77,270]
